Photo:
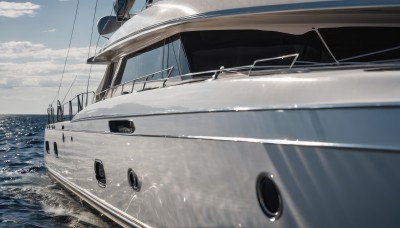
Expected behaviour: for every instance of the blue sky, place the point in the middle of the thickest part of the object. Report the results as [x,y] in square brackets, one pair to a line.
[34,38]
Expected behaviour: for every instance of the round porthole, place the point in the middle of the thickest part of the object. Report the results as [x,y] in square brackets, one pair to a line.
[269,196]
[133,180]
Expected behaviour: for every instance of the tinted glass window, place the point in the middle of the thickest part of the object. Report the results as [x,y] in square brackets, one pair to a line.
[152,60]
[175,56]
[142,64]
[209,50]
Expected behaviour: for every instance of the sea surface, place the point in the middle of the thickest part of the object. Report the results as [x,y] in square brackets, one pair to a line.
[28,197]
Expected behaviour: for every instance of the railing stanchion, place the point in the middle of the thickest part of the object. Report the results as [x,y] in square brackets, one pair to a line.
[70,110]
[79,103]
[83,96]
[52,114]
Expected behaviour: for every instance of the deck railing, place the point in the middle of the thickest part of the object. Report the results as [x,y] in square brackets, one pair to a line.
[75,105]
[129,86]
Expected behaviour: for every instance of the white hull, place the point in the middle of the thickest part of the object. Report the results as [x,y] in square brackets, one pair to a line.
[335,161]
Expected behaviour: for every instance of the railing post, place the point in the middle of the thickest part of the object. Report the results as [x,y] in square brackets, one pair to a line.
[52,114]
[147,78]
[60,114]
[83,96]
[94,97]
[133,85]
[70,110]
[79,103]
[48,115]
[168,75]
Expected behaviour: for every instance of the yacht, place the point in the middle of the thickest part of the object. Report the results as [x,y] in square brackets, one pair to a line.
[238,113]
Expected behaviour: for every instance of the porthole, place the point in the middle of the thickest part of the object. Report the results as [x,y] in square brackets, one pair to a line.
[133,180]
[63,137]
[100,173]
[269,196]
[55,149]
[47,145]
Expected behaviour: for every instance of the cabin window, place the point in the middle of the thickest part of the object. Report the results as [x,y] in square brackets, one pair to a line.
[106,81]
[141,64]
[158,57]
[175,56]
[209,50]
[346,43]
[108,76]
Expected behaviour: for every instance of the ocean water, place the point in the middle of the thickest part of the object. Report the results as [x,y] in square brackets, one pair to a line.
[28,197]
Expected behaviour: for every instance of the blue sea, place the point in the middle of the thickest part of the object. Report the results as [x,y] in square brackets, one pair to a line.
[28,197]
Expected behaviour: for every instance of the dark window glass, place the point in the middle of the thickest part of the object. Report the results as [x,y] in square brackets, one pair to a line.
[209,50]
[158,57]
[349,42]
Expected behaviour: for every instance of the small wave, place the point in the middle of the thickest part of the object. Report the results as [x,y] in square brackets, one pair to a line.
[33,142]
[33,169]
[15,175]
[31,186]
[28,198]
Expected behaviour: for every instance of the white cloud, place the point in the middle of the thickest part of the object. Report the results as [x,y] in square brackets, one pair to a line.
[32,85]
[26,49]
[44,66]
[50,30]
[45,74]
[15,9]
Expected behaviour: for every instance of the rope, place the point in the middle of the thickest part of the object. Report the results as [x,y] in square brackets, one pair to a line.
[95,51]
[90,46]
[66,59]
[73,82]
[91,34]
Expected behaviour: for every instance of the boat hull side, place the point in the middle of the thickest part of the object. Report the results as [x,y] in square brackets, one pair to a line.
[332,166]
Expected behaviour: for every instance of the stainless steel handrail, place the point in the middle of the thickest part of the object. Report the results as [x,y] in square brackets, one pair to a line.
[101,95]
[295,56]
[60,116]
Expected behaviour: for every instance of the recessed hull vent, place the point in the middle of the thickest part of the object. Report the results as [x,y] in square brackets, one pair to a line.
[122,126]
[100,173]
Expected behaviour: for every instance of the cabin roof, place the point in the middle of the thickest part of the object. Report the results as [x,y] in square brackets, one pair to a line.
[165,13]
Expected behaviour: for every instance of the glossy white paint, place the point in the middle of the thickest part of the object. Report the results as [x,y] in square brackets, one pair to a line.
[200,168]
[211,182]
[312,89]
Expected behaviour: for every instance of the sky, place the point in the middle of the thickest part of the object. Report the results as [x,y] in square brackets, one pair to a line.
[34,39]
